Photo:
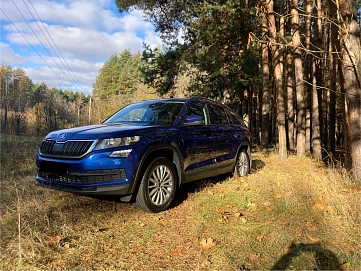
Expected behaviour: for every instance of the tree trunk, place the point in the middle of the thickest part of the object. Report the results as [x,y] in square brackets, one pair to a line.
[277,60]
[266,92]
[316,83]
[251,114]
[334,49]
[351,66]
[300,92]
[308,71]
[290,99]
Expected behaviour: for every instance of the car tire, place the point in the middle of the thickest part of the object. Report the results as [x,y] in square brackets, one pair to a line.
[242,166]
[158,186]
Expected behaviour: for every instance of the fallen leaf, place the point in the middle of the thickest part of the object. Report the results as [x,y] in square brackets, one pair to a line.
[277,196]
[208,243]
[224,215]
[344,266]
[242,182]
[254,257]
[66,245]
[224,218]
[222,212]
[311,238]
[261,237]
[175,253]
[252,205]
[243,219]
[53,240]
[286,249]
[319,206]
[238,214]
[205,263]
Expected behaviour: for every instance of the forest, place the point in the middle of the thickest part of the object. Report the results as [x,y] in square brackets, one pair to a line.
[291,68]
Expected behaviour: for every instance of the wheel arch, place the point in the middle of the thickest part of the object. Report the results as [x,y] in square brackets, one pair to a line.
[244,146]
[168,152]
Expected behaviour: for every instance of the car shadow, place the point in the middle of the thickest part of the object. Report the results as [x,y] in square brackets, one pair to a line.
[324,258]
[190,188]
[187,189]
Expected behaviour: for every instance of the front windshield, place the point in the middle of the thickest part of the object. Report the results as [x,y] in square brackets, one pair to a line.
[157,113]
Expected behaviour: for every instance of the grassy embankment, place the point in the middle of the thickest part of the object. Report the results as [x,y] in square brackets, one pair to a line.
[291,214]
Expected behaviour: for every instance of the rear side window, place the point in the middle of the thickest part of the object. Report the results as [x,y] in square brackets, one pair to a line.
[217,115]
[233,118]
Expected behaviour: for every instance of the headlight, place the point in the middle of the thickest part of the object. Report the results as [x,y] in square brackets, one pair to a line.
[116,142]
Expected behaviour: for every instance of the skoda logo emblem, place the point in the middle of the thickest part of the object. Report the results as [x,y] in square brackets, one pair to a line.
[62,136]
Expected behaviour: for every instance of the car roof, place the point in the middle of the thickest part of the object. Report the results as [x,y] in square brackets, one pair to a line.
[194,98]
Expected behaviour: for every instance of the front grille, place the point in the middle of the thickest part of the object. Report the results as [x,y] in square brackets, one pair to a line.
[71,149]
[84,176]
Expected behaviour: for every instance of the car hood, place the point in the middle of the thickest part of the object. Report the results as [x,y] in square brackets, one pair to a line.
[92,132]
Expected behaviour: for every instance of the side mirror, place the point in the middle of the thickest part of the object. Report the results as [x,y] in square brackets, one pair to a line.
[194,120]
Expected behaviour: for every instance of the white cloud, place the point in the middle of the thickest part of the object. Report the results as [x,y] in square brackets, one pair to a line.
[85,32]
[8,56]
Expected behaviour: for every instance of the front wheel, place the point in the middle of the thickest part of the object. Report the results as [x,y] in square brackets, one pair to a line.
[242,164]
[157,188]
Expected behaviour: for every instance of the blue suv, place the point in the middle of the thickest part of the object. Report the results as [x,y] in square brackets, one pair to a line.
[146,150]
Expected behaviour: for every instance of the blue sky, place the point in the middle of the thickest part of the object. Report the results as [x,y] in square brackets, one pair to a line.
[72,39]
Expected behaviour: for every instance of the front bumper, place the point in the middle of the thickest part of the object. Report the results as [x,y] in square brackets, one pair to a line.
[113,189]
[95,174]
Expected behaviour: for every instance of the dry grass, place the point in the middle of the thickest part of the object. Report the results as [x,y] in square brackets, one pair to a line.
[291,214]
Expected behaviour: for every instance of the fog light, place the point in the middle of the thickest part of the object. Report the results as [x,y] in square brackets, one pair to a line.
[121,153]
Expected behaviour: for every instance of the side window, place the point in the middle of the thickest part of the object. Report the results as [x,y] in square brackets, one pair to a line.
[233,118]
[217,115]
[199,109]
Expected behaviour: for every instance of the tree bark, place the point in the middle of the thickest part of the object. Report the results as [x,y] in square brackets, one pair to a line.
[334,50]
[316,83]
[266,91]
[300,92]
[290,99]
[351,67]
[277,60]
[308,71]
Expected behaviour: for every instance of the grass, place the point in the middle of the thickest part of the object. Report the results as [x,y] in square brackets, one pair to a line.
[291,214]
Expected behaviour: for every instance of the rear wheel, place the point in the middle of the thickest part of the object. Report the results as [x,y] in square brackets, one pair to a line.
[242,164]
[157,188]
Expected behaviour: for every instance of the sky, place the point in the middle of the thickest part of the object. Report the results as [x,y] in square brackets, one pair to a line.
[65,43]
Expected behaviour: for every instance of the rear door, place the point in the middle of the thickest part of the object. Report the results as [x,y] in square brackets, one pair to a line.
[224,131]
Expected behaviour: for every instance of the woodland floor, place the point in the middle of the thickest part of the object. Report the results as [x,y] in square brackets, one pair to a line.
[287,214]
